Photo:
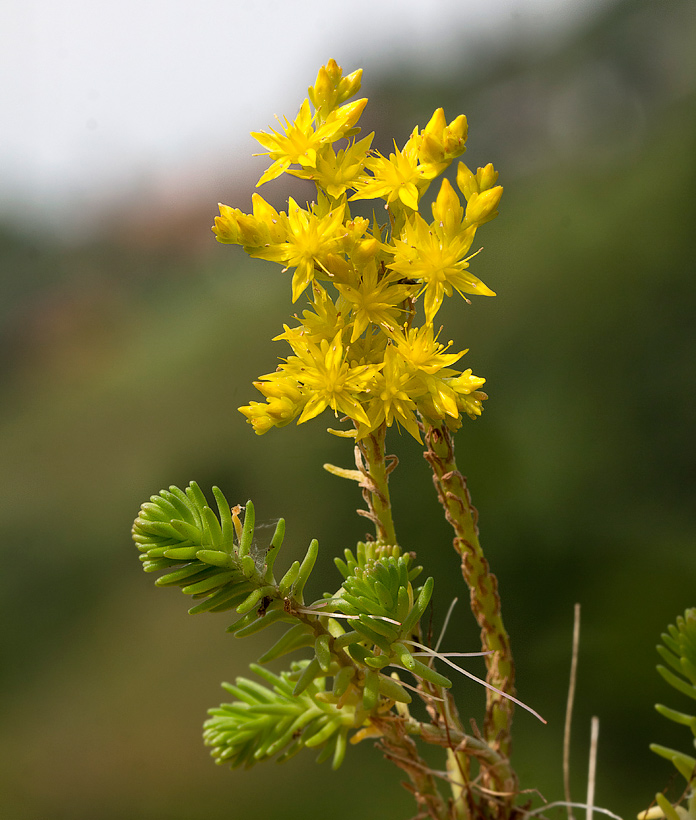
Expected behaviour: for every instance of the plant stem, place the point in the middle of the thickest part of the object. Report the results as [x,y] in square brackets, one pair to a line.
[454,737]
[483,588]
[375,468]
[469,802]
[398,747]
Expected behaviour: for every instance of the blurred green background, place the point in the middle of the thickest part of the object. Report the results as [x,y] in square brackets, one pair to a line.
[124,358]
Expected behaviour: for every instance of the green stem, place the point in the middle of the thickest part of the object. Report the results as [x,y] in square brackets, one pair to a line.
[375,468]
[483,587]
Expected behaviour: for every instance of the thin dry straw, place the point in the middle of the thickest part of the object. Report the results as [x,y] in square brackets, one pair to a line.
[592,772]
[428,651]
[546,806]
[569,710]
[446,623]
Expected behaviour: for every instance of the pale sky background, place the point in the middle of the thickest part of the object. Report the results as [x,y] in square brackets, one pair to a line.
[98,97]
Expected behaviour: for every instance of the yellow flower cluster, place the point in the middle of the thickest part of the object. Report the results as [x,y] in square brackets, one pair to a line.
[358,348]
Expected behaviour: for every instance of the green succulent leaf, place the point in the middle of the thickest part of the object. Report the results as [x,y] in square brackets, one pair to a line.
[296,637]
[678,683]
[677,717]
[342,680]
[667,808]
[685,764]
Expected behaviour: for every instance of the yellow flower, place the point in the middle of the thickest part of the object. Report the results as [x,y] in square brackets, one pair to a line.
[397,179]
[321,323]
[328,380]
[392,401]
[357,349]
[439,392]
[375,300]
[301,142]
[436,405]
[311,236]
[435,254]
[335,173]
[418,346]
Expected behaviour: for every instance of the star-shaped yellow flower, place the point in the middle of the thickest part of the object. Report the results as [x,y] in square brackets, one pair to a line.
[329,380]
[375,300]
[301,142]
[336,172]
[392,401]
[311,236]
[398,178]
[436,253]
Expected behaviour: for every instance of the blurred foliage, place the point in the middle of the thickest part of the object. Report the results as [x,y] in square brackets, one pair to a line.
[678,651]
[123,365]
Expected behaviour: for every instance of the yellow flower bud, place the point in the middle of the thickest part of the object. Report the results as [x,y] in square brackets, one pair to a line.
[273,222]
[331,89]
[349,85]
[225,227]
[486,177]
[466,181]
[277,386]
[252,234]
[482,207]
[431,149]
[472,404]
[322,93]
[447,209]
[437,124]
[471,184]
[337,267]
[333,71]
[366,250]
[459,128]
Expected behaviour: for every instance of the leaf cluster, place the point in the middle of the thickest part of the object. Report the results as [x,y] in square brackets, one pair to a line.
[678,650]
[214,556]
[264,722]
